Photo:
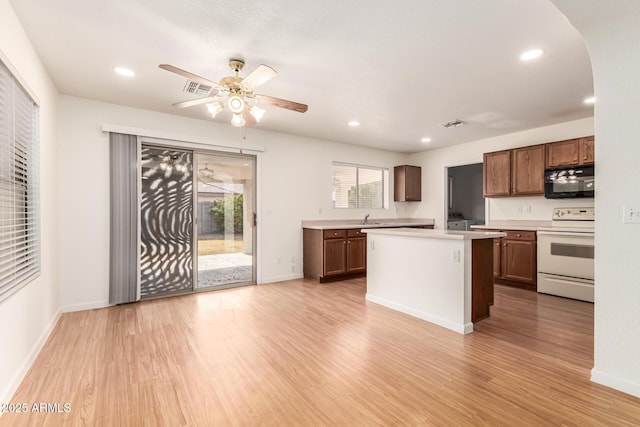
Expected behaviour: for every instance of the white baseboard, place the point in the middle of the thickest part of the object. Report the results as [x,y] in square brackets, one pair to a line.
[615,382]
[85,306]
[274,279]
[31,357]
[461,328]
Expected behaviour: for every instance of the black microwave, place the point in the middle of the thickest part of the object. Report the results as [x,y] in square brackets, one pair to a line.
[569,182]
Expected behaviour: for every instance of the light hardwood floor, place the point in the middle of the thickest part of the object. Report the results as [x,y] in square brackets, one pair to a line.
[301,353]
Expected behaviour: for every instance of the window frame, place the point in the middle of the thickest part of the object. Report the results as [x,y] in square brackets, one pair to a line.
[358,167]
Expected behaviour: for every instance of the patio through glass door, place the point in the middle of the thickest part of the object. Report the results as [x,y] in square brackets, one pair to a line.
[225,217]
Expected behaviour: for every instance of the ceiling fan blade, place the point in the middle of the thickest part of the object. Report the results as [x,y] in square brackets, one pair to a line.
[188,75]
[282,103]
[249,120]
[193,102]
[259,76]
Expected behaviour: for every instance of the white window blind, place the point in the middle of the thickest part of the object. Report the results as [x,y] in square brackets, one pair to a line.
[359,186]
[19,186]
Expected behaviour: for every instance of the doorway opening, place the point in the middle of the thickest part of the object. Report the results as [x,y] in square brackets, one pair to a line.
[465,200]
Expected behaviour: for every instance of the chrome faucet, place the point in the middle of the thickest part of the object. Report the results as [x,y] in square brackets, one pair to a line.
[366,219]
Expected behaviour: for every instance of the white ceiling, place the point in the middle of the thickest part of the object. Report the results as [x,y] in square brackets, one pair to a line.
[401,68]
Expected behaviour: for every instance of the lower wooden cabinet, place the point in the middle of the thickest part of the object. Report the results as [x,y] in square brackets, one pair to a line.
[337,254]
[334,254]
[515,259]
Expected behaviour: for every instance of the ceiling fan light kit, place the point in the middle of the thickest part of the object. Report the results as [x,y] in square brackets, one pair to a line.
[237,90]
[237,120]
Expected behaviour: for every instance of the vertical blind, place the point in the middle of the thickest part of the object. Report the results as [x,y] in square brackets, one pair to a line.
[358,186]
[19,186]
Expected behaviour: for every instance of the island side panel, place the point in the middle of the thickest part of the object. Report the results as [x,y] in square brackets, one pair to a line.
[421,277]
[481,278]
[312,256]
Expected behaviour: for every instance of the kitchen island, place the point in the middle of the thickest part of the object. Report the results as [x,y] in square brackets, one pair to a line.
[443,277]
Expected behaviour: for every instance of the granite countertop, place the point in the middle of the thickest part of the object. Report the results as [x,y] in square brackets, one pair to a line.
[436,234]
[335,224]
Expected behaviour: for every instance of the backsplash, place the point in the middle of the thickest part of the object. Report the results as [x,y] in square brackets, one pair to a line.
[529,208]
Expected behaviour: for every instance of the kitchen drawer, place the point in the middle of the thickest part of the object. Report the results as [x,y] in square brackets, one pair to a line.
[520,235]
[335,234]
[355,232]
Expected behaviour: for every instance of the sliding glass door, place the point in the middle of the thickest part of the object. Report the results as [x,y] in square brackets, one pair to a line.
[225,207]
[184,194]
[166,221]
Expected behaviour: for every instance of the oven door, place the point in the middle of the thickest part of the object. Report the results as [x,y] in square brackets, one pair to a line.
[568,254]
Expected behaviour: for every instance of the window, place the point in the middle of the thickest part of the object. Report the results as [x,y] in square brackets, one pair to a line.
[19,186]
[360,187]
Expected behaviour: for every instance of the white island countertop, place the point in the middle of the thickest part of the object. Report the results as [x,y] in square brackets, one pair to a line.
[436,234]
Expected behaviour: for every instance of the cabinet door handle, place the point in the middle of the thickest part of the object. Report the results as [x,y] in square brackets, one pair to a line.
[519,235]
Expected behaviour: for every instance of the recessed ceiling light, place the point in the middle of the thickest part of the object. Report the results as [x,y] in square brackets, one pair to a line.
[124,71]
[531,54]
[354,123]
[590,100]
[425,140]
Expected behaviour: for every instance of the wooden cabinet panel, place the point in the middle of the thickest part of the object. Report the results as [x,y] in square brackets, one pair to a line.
[563,153]
[586,150]
[335,234]
[335,252]
[520,235]
[407,183]
[527,171]
[572,152]
[496,171]
[356,254]
[519,260]
[355,232]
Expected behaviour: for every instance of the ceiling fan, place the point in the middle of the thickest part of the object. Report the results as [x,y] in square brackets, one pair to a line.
[236,90]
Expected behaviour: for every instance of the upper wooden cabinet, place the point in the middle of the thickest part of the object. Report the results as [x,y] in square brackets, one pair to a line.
[517,172]
[572,152]
[527,171]
[496,169]
[407,183]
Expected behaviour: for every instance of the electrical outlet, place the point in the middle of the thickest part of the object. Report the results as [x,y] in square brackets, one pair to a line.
[293,268]
[279,260]
[455,255]
[527,209]
[292,259]
[631,214]
[372,245]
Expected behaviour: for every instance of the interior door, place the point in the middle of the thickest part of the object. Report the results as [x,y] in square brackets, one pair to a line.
[225,223]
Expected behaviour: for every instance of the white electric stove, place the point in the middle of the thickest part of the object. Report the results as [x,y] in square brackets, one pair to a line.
[566,254]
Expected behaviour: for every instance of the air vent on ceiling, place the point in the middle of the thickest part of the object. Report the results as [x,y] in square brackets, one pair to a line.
[197,88]
[454,123]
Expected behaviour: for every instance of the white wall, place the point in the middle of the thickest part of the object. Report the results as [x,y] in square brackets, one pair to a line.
[27,316]
[611,31]
[434,162]
[294,181]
